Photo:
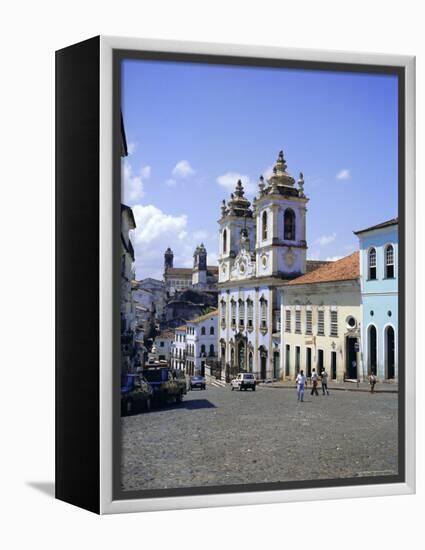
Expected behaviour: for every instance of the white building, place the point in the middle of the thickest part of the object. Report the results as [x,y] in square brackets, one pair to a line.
[261,248]
[201,342]
[178,348]
[321,319]
[163,345]
[154,293]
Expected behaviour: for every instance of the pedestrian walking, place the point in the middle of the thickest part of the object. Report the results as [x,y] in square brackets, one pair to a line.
[372,382]
[324,376]
[301,381]
[314,380]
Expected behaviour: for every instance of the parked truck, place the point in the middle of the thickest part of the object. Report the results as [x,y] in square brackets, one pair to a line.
[167,384]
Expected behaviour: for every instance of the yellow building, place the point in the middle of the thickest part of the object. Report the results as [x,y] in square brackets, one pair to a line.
[320,322]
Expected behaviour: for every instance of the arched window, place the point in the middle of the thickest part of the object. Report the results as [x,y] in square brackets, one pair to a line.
[289,225]
[211,330]
[373,350]
[264,228]
[389,261]
[211,350]
[202,349]
[224,242]
[372,264]
[203,331]
[390,352]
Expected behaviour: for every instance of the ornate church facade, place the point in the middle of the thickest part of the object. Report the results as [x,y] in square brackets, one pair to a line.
[261,247]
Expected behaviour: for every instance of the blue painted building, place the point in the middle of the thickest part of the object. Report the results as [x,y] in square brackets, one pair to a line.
[379,289]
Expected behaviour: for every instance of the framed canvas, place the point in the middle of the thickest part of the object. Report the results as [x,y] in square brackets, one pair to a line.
[235,295]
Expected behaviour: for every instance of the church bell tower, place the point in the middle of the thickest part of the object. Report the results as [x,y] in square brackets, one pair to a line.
[280,212]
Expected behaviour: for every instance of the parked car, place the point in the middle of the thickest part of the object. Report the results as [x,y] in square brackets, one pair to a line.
[167,384]
[243,381]
[197,382]
[136,394]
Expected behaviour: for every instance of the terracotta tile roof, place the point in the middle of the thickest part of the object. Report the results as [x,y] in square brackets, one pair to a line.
[388,223]
[187,271]
[345,269]
[205,317]
[311,265]
[165,335]
[182,328]
[179,271]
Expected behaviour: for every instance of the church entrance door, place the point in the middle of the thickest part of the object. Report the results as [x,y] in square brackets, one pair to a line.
[263,367]
[241,356]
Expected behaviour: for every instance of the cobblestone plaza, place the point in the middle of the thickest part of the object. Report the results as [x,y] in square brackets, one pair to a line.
[220,437]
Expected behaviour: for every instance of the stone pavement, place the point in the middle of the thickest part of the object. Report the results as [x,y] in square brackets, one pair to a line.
[220,437]
[381,387]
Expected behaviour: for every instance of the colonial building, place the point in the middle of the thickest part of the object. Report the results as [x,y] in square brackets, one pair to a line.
[129,355]
[379,288]
[201,342]
[321,318]
[163,345]
[156,289]
[178,348]
[128,318]
[201,276]
[261,248]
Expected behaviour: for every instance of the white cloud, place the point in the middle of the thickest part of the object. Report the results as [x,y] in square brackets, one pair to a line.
[183,169]
[156,231]
[132,183]
[152,223]
[343,174]
[171,182]
[333,258]
[230,179]
[326,239]
[131,147]
[268,172]
[146,171]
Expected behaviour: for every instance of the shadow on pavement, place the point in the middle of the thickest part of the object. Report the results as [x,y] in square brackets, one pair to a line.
[193,404]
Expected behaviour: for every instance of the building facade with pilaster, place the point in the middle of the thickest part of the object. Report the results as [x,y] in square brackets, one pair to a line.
[379,288]
[321,322]
[261,248]
[201,342]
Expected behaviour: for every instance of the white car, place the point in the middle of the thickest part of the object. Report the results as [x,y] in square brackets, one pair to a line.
[243,381]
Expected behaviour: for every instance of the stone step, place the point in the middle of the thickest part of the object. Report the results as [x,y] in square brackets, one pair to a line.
[218,383]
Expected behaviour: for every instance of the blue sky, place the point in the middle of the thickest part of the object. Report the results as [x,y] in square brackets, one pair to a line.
[194,129]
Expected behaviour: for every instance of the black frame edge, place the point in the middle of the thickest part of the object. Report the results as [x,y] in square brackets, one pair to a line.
[77,459]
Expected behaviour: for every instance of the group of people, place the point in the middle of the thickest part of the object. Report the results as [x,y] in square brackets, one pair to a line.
[301,381]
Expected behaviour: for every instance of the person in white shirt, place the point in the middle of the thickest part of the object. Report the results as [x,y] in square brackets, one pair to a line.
[314,380]
[300,380]
[324,376]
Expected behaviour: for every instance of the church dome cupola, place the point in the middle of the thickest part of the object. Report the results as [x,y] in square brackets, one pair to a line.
[238,205]
[280,177]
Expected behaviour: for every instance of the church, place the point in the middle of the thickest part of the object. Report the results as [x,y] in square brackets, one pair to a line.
[262,246]
[201,276]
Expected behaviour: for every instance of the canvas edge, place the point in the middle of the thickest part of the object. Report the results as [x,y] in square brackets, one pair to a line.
[107,504]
